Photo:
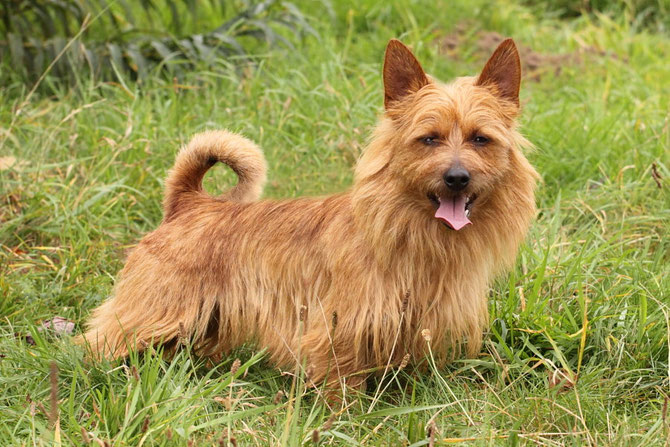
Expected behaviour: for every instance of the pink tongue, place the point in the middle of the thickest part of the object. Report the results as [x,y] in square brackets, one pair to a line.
[452,211]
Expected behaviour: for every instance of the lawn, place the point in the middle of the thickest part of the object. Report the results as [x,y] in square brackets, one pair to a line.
[578,347]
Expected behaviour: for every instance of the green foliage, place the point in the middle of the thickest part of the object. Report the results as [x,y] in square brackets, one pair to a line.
[103,36]
[653,14]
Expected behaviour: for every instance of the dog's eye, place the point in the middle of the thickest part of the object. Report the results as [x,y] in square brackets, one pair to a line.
[430,140]
[480,140]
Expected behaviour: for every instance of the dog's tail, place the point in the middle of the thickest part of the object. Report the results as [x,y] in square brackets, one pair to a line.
[204,150]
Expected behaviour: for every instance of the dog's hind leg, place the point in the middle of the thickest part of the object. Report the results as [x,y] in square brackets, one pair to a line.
[333,356]
[144,313]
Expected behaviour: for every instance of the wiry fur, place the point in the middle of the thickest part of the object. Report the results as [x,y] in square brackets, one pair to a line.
[370,268]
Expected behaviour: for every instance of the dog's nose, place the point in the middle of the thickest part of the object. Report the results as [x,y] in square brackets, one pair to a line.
[457,178]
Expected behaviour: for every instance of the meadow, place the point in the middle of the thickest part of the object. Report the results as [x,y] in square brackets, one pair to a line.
[578,347]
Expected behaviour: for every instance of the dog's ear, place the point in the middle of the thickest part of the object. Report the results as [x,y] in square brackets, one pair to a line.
[503,70]
[402,73]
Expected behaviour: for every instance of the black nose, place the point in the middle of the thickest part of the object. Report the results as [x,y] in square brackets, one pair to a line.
[457,178]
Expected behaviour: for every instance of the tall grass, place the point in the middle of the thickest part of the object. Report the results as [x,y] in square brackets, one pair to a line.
[577,351]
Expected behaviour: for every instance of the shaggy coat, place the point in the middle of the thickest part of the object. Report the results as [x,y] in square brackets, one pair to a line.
[347,282]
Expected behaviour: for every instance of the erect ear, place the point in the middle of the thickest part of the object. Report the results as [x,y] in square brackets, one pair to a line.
[503,70]
[403,74]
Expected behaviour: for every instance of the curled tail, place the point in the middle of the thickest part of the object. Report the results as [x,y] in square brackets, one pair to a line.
[204,150]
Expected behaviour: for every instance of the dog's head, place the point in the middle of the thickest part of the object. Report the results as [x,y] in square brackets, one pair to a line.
[447,145]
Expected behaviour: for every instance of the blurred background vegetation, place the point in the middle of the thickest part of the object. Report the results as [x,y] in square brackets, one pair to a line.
[138,36]
[170,36]
[651,14]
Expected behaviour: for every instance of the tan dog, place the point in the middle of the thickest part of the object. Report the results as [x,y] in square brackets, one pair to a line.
[442,198]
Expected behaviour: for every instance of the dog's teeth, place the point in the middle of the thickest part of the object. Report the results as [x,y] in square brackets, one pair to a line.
[467,213]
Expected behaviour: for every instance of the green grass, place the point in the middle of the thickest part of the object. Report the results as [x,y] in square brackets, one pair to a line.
[588,302]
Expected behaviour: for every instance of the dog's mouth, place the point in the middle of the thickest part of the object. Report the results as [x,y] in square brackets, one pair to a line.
[453,211]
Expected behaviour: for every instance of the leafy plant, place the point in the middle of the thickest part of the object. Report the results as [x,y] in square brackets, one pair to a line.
[106,35]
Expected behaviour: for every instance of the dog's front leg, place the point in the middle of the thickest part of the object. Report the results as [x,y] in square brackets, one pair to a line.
[335,355]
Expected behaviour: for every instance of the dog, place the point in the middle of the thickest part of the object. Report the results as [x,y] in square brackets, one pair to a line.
[441,200]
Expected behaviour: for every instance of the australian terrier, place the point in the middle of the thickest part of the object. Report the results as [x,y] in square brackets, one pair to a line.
[442,197]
